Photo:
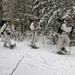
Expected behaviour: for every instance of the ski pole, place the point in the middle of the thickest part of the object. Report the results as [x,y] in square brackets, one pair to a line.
[15,37]
[70,48]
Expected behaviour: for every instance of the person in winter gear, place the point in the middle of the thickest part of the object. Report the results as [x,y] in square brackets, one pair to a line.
[7,29]
[63,38]
[34,28]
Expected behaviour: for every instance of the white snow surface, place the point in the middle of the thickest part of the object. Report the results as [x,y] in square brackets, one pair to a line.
[42,61]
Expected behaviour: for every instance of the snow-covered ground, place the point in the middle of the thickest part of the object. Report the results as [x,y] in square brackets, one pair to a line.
[23,60]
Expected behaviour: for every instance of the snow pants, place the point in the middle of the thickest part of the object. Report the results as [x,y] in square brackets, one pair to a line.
[7,39]
[34,38]
[63,41]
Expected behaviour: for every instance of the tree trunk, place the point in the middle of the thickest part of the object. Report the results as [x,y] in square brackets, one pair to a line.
[1,9]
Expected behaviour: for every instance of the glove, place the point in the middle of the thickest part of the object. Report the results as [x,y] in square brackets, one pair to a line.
[1,33]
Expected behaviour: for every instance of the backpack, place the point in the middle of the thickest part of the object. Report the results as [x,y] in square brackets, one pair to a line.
[30,21]
[61,21]
[2,22]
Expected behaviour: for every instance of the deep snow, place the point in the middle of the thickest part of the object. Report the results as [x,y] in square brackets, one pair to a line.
[42,61]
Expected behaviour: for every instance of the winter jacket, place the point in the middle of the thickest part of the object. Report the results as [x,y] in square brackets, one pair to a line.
[6,28]
[65,28]
[34,26]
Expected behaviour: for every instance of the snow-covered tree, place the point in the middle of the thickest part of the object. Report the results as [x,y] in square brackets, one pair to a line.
[47,11]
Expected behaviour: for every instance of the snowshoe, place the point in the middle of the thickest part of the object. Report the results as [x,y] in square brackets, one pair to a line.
[61,53]
[63,49]
[14,45]
[11,46]
[34,47]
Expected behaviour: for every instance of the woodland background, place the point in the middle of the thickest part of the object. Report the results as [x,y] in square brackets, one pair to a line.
[23,12]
